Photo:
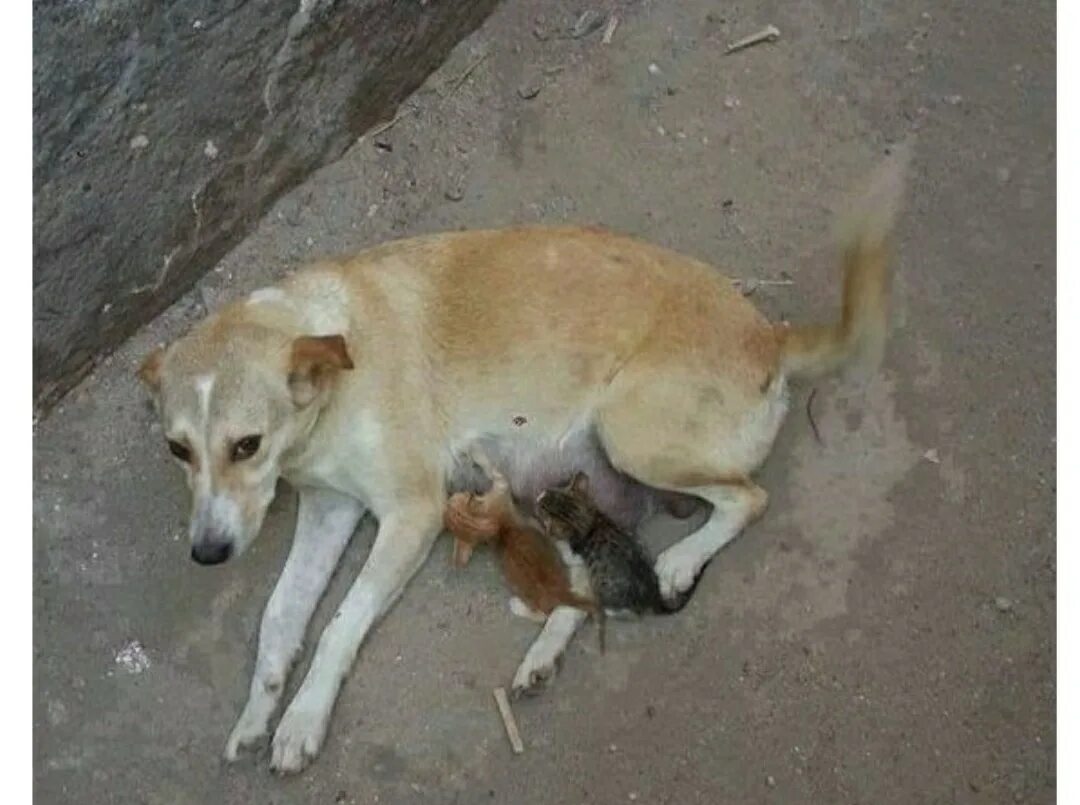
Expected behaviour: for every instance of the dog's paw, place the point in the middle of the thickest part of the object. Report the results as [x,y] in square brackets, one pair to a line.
[299,737]
[251,728]
[245,735]
[676,570]
[533,675]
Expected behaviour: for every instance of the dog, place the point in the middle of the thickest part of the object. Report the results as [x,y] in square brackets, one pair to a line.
[360,380]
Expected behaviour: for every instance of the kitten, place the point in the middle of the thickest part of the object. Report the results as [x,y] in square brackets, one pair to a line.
[620,570]
[530,562]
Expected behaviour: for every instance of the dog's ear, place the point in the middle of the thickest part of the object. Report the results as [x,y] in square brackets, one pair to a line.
[314,363]
[580,484]
[150,369]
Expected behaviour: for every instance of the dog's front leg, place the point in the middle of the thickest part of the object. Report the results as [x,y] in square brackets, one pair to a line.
[541,661]
[401,546]
[324,523]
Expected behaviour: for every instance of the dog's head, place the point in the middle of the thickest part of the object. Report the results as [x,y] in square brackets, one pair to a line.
[234,400]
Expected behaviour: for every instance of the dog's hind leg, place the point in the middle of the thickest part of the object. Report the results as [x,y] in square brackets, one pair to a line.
[325,522]
[684,435]
[403,542]
[735,504]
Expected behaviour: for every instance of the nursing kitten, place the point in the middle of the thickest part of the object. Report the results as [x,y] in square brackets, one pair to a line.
[621,572]
[530,561]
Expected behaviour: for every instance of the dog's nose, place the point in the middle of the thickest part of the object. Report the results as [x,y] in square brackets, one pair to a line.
[211,552]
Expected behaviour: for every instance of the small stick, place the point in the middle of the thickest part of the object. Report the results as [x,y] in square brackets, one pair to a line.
[810,414]
[770,33]
[508,721]
[452,86]
[609,31]
[752,281]
[375,132]
[750,286]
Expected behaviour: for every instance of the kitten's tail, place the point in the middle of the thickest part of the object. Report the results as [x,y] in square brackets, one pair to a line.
[572,599]
[811,351]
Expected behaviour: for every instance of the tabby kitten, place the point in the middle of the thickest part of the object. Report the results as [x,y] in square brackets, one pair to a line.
[620,570]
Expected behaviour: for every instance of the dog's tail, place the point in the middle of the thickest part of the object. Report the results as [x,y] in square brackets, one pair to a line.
[810,351]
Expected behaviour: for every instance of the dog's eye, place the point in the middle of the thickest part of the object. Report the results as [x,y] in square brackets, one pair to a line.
[246,448]
[179,450]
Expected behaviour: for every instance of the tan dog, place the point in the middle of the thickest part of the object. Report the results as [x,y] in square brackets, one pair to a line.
[358,380]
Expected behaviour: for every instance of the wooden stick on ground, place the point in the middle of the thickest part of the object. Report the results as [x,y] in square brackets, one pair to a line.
[769,33]
[609,31]
[375,132]
[508,721]
[454,84]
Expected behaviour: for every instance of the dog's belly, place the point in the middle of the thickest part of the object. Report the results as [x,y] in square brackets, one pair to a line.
[533,464]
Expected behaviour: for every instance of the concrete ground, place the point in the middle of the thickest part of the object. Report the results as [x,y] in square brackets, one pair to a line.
[885,634]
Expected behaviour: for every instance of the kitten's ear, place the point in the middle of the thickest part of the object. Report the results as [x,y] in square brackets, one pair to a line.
[580,484]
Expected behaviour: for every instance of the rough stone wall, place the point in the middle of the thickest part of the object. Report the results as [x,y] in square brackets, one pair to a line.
[163,131]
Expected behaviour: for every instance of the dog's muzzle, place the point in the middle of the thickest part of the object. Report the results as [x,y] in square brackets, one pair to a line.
[211,552]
